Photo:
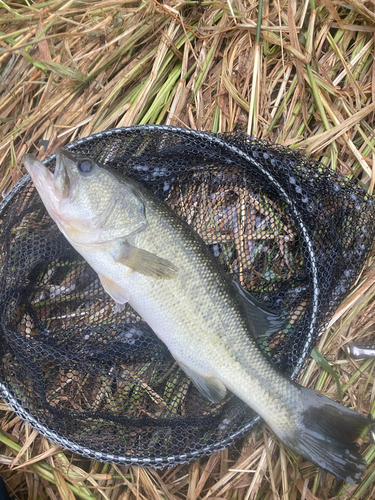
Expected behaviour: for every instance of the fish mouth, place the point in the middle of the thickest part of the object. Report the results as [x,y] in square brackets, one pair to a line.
[39,173]
[61,181]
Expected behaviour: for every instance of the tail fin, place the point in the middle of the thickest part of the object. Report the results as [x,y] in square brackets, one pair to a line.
[325,436]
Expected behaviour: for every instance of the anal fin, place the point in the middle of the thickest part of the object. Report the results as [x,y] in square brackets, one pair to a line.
[210,387]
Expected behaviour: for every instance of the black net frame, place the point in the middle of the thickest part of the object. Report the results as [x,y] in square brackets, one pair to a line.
[289,230]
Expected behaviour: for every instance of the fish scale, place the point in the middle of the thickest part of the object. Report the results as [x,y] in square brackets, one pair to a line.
[146,255]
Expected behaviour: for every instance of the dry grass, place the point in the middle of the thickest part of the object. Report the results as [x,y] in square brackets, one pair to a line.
[70,68]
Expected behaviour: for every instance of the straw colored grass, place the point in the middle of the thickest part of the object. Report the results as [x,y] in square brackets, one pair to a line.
[301,74]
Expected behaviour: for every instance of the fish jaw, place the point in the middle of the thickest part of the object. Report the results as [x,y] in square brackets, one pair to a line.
[39,173]
[55,189]
[43,180]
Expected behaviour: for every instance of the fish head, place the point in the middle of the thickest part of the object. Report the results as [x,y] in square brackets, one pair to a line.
[86,200]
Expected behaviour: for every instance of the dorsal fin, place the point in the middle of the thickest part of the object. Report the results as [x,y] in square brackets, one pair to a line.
[264,320]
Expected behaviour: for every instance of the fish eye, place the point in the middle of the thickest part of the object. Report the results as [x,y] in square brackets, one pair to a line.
[85,166]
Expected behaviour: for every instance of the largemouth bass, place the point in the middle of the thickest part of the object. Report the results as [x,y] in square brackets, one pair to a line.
[147,256]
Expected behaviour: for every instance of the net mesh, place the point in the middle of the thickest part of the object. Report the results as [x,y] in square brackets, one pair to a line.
[287,229]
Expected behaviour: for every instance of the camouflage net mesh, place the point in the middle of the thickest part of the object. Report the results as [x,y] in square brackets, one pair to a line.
[290,231]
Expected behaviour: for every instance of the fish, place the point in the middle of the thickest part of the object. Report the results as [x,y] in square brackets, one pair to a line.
[147,256]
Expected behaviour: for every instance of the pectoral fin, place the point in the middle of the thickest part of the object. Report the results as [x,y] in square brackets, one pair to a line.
[117,293]
[145,262]
[210,387]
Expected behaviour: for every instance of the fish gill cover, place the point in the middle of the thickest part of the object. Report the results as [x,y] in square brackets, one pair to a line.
[100,383]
